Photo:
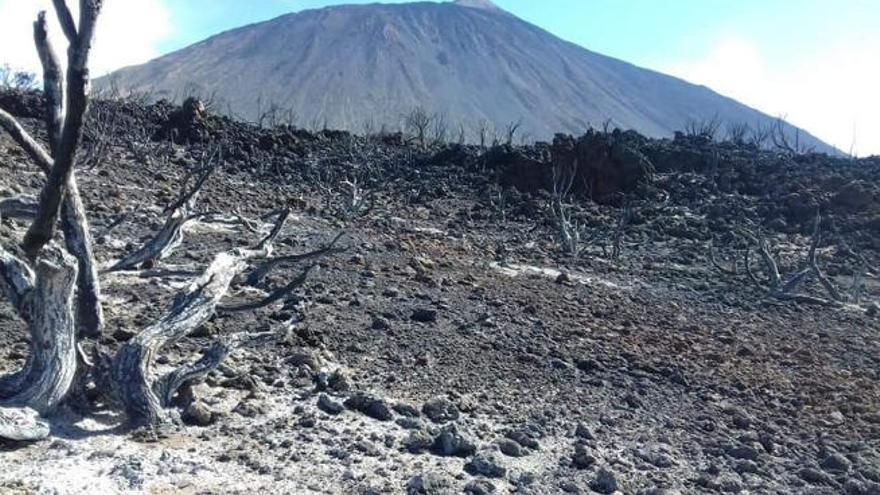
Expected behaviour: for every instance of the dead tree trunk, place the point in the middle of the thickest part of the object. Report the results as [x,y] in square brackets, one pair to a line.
[74,222]
[44,300]
[44,296]
[73,217]
[144,397]
[80,37]
[78,240]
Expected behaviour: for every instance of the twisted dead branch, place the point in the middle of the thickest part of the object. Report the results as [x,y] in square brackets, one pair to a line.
[255,278]
[787,288]
[568,230]
[178,213]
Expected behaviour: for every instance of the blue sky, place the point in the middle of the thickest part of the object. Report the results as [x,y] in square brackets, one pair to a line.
[815,61]
[639,31]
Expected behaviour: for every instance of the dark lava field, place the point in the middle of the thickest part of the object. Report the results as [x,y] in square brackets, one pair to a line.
[449,344]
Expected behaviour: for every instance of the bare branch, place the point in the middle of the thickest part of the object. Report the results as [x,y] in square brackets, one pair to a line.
[159,246]
[786,289]
[34,149]
[46,378]
[750,272]
[714,260]
[168,385]
[260,272]
[273,297]
[66,20]
[623,221]
[568,230]
[209,162]
[53,81]
[510,131]
[170,236]
[267,241]
[43,227]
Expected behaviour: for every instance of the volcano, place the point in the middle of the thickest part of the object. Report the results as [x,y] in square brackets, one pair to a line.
[360,67]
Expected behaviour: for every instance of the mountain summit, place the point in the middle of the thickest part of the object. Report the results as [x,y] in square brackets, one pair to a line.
[477,4]
[352,65]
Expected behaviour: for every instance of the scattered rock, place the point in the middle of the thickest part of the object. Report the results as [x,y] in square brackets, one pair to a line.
[655,457]
[856,195]
[304,358]
[197,414]
[440,410]
[367,448]
[588,365]
[373,407]
[338,381]
[836,463]
[451,442]
[424,315]
[605,482]
[328,405]
[559,364]
[485,464]
[746,467]
[510,448]
[307,421]
[570,487]
[814,476]
[742,452]
[741,421]
[632,401]
[479,487]
[428,484]
[583,458]
[380,323]
[418,442]
[583,431]
[406,410]
[409,423]
[524,438]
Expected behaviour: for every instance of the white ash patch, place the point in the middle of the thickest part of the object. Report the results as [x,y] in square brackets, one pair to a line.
[514,270]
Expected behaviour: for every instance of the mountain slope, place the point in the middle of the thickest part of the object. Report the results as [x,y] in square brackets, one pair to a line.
[352,64]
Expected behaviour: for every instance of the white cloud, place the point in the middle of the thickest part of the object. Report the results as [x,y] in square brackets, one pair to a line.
[834,93]
[128,32]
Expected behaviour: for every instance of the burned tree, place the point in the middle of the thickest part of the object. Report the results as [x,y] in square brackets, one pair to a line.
[178,213]
[145,397]
[55,289]
[787,288]
[418,122]
[66,103]
[568,230]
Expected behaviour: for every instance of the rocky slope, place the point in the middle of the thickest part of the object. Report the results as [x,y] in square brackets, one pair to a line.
[452,348]
[352,66]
